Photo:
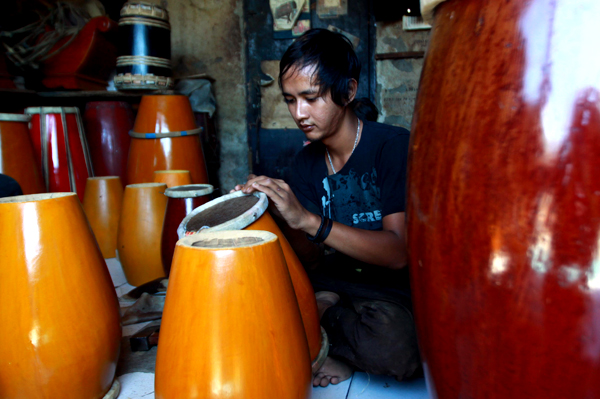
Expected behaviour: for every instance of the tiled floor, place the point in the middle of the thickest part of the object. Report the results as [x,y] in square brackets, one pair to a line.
[137,381]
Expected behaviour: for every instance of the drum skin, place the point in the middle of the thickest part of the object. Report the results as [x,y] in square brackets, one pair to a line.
[165,114]
[107,126]
[173,178]
[60,319]
[302,286]
[503,214]
[17,158]
[241,335]
[102,205]
[140,231]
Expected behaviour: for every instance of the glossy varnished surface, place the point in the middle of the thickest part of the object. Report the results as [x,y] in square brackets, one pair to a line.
[241,333]
[173,178]
[504,201]
[102,205]
[59,316]
[17,158]
[140,231]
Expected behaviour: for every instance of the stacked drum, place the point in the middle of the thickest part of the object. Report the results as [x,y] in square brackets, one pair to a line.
[144,60]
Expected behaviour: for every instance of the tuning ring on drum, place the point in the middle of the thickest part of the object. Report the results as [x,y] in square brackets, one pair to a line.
[182,133]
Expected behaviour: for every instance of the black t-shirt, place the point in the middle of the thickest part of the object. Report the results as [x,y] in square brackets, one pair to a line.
[370,186]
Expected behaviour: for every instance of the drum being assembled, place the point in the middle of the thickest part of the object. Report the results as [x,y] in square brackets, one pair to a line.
[144,60]
[182,201]
[17,158]
[59,315]
[237,211]
[504,201]
[61,148]
[241,334]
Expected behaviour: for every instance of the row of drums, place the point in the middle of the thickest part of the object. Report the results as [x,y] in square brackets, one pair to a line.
[55,149]
[237,321]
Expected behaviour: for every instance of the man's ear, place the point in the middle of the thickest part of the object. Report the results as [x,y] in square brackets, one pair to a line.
[352,89]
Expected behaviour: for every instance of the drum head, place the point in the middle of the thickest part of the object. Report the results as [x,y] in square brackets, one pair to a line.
[221,212]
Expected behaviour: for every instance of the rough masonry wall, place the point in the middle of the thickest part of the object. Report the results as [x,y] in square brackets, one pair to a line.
[398,80]
[207,37]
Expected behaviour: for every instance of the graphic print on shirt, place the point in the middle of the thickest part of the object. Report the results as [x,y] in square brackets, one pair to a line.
[353,199]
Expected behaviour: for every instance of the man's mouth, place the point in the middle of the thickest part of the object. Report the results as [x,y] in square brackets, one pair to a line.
[307,128]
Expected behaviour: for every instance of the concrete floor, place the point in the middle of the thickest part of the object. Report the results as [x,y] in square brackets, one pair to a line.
[135,370]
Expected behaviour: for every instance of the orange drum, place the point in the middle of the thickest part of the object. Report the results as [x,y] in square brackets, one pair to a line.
[17,158]
[61,148]
[140,232]
[173,178]
[237,211]
[165,137]
[59,317]
[240,335]
[102,206]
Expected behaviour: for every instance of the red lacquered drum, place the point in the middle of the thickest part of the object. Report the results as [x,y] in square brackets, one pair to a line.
[59,317]
[237,211]
[17,158]
[504,201]
[182,201]
[165,137]
[61,148]
[231,326]
[107,126]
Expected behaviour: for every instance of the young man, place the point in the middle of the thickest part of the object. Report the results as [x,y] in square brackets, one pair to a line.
[348,193]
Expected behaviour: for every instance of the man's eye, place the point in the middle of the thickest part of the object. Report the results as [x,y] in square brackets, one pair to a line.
[312,99]
[288,100]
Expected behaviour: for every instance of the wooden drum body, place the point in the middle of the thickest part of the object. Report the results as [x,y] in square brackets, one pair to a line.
[240,302]
[17,158]
[61,148]
[173,178]
[237,211]
[504,201]
[165,137]
[140,231]
[144,60]
[60,319]
[107,126]
[181,202]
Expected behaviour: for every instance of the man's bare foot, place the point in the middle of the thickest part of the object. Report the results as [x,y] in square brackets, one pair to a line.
[332,372]
[325,300]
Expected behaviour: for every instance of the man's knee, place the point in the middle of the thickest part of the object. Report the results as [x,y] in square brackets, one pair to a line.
[9,186]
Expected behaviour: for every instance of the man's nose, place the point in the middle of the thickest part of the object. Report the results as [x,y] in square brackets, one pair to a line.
[301,110]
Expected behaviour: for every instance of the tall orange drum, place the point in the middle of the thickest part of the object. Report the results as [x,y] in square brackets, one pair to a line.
[17,158]
[240,335]
[165,137]
[503,215]
[173,178]
[140,232]
[61,148]
[102,205]
[59,316]
[237,211]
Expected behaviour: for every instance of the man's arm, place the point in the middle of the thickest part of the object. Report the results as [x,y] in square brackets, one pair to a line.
[385,248]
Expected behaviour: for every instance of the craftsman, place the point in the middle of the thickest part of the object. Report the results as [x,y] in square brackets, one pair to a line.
[345,210]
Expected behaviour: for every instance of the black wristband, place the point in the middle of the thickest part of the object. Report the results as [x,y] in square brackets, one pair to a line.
[314,238]
[326,230]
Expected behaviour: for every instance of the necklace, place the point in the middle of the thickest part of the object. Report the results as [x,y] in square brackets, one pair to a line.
[353,148]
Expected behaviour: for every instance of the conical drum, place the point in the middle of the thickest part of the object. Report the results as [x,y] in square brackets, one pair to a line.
[59,316]
[241,211]
[173,178]
[241,334]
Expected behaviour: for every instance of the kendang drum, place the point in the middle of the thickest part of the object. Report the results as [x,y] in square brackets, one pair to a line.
[182,200]
[61,148]
[144,60]
[238,211]
[165,137]
[504,201]
[17,158]
[107,126]
[241,334]
[59,315]
[173,178]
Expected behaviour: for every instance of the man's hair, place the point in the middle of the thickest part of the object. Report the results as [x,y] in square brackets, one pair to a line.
[333,58]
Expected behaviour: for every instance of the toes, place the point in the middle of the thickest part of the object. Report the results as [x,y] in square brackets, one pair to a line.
[317,379]
[334,380]
[324,381]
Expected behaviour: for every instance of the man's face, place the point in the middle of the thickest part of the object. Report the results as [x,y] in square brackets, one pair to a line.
[316,115]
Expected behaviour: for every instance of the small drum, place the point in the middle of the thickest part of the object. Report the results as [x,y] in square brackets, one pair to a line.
[237,211]
[107,126]
[182,201]
[144,60]
[17,158]
[61,148]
